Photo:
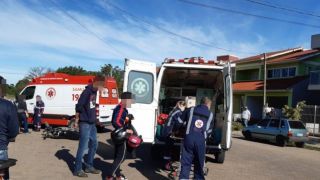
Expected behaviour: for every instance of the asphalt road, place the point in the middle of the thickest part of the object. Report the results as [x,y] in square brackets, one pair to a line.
[53,159]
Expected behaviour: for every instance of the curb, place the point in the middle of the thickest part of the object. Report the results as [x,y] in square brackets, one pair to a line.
[312,147]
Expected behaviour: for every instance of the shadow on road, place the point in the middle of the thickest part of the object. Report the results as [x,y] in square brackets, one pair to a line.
[106,151]
[64,154]
[148,167]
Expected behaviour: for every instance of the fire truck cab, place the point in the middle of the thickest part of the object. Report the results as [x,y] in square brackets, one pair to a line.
[157,89]
[61,92]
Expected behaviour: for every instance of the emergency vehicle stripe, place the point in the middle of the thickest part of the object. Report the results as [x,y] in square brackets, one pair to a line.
[208,125]
[173,114]
[190,119]
[119,116]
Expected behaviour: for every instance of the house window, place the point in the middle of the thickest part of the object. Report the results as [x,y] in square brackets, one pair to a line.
[315,77]
[292,71]
[281,72]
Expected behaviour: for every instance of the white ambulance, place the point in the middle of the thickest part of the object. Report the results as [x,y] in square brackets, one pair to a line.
[61,92]
[157,90]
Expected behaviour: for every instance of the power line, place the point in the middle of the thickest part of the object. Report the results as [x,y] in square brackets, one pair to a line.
[247,14]
[297,11]
[170,32]
[86,28]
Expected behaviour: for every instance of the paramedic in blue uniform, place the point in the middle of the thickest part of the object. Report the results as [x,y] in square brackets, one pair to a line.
[119,117]
[173,119]
[86,119]
[199,123]
[38,111]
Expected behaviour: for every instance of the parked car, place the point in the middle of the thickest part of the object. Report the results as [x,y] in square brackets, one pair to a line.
[281,131]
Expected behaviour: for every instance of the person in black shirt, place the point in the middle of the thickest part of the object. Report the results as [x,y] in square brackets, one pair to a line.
[9,126]
[23,112]
[86,119]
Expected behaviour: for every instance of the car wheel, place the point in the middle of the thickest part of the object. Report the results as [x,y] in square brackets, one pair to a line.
[300,144]
[219,157]
[247,135]
[281,141]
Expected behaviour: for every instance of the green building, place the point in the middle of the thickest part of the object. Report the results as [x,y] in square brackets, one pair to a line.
[292,75]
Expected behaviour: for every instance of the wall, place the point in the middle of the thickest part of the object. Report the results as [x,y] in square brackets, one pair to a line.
[245,75]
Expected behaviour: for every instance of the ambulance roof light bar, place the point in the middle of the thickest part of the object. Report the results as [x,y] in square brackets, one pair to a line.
[192,60]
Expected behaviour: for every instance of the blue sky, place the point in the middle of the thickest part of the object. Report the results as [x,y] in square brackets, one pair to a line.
[40,33]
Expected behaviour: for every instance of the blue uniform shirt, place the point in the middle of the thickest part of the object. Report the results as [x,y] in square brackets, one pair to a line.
[173,121]
[199,120]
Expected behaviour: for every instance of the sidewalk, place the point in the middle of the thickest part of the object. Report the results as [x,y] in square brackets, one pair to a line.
[313,143]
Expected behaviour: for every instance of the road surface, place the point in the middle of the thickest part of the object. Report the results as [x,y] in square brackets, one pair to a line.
[53,159]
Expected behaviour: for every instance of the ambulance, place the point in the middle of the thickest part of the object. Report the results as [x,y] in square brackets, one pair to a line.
[157,89]
[61,92]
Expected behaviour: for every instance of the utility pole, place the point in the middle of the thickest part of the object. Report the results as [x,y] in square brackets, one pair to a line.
[264,85]
[265,80]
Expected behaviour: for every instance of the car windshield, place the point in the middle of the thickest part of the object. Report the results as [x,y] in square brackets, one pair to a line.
[296,125]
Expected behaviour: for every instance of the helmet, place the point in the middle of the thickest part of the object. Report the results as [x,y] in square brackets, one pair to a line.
[162,119]
[134,141]
[119,136]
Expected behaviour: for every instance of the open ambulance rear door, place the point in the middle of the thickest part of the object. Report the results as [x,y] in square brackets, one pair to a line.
[228,107]
[140,79]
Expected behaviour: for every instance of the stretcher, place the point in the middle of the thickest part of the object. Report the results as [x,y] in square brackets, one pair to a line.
[176,166]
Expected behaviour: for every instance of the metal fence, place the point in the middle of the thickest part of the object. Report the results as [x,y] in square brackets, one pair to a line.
[311,117]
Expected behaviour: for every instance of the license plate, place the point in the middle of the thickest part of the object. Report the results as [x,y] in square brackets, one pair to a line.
[299,134]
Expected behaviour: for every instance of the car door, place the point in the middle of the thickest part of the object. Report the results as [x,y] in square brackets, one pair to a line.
[140,79]
[273,129]
[260,130]
[228,105]
[29,93]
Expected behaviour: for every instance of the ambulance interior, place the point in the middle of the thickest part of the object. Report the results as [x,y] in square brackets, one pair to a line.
[191,85]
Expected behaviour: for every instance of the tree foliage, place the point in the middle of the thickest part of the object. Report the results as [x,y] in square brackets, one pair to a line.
[21,84]
[116,72]
[294,113]
[37,71]
[72,70]
[107,70]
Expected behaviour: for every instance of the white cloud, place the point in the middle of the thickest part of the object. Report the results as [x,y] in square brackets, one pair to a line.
[51,36]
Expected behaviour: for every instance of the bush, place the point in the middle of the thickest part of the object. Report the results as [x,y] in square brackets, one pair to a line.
[294,113]
[237,126]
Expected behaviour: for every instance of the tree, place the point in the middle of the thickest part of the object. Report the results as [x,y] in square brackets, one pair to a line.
[294,113]
[116,72]
[36,72]
[72,70]
[10,90]
[21,84]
